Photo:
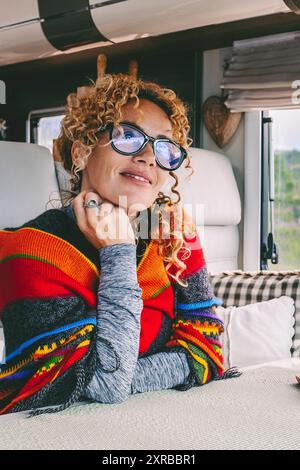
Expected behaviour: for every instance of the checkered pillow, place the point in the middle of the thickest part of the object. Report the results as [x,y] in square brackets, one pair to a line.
[237,288]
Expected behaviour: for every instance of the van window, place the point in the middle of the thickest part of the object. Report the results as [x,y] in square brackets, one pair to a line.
[286,148]
[43,125]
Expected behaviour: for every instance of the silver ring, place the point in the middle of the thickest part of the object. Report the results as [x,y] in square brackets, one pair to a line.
[91,204]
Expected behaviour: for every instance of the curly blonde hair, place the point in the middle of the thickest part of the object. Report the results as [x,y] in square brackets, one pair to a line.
[100,104]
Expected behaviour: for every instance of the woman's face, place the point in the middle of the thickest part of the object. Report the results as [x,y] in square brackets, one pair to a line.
[105,170]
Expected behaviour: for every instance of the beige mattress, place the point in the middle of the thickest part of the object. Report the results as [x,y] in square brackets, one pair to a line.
[258,410]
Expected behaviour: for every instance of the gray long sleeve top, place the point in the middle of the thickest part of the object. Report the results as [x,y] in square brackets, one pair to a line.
[120,372]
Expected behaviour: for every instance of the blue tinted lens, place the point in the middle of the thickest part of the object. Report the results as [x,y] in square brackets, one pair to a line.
[126,139]
[168,154]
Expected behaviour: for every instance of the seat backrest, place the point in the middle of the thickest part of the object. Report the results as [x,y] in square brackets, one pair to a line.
[211,195]
[27,182]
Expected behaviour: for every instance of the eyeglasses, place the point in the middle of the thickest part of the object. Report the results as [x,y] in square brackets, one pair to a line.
[128,139]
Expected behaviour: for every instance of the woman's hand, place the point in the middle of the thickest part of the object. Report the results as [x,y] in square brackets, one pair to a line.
[104,225]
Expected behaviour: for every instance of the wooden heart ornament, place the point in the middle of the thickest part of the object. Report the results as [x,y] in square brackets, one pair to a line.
[219,121]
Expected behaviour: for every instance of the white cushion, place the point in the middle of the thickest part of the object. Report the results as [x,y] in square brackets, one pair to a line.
[257,333]
[238,288]
[220,245]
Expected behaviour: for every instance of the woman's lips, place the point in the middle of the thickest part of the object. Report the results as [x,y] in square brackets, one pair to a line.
[136,179]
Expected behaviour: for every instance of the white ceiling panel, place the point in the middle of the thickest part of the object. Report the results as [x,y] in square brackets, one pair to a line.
[24,43]
[134,19]
[16,11]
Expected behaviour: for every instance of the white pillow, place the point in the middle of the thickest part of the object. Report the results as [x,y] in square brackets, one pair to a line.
[257,333]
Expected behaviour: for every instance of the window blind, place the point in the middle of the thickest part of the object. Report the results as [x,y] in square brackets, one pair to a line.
[263,73]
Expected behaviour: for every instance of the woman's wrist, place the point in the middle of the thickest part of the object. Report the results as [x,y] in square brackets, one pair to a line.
[117,248]
[118,264]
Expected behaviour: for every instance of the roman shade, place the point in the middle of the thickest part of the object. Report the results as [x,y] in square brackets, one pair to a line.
[263,73]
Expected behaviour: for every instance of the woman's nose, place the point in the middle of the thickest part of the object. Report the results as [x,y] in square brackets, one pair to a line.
[146,155]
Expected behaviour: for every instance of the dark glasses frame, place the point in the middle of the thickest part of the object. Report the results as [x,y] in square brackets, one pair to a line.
[148,138]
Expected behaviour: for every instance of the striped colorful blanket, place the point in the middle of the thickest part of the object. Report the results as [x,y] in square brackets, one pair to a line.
[49,275]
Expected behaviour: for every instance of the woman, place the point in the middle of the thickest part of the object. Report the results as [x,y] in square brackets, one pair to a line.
[105,312]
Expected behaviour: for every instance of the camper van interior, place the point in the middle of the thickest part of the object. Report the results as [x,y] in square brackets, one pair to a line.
[236,67]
